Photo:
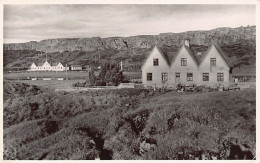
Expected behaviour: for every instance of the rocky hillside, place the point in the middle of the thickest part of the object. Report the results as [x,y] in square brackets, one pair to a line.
[222,36]
[238,42]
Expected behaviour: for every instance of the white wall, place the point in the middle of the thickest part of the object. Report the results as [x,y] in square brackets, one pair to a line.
[191,67]
[157,71]
[221,67]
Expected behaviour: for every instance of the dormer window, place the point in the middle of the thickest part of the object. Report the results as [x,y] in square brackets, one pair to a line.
[156,62]
[212,61]
[183,61]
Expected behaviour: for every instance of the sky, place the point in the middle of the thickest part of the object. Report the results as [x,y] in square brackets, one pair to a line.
[23,23]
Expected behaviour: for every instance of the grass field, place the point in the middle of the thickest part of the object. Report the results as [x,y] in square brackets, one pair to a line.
[53,84]
[128,124]
[70,75]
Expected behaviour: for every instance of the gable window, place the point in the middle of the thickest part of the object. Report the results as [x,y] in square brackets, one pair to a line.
[205,76]
[220,76]
[212,61]
[177,75]
[156,62]
[149,76]
[189,76]
[183,61]
[164,77]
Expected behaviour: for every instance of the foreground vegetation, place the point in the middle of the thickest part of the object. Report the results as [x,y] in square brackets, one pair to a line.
[127,124]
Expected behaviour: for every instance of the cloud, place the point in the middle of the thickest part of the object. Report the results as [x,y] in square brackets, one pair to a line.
[37,22]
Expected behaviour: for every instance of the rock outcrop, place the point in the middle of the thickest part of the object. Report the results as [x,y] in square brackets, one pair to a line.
[222,36]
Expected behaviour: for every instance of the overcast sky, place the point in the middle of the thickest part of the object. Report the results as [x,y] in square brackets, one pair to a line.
[23,23]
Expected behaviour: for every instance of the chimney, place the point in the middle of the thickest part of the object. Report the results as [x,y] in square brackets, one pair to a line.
[187,42]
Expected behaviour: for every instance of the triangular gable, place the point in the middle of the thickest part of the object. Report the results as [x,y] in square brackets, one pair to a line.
[160,52]
[221,53]
[61,64]
[189,52]
[33,64]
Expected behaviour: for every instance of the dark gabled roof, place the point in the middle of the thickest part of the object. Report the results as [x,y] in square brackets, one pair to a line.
[192,54]
[221,52]
[164,55]
[198,54]
[224,56]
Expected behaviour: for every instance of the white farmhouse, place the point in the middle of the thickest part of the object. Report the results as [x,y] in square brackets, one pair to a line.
[46,66]
[187,67]
[58,67]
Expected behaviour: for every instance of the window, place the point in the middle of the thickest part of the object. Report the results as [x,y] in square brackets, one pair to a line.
[212,61]
[149,76]
[177,75]
[155,61]
[205,76]
[220,76]
[189,76]
[164,77]
[183,61]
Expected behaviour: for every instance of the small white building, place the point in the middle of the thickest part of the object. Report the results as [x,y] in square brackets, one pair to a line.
[46,66]
[59,67]
[76,67]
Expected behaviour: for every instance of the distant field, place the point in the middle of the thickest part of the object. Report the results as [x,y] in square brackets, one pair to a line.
[55,84]
[70,75]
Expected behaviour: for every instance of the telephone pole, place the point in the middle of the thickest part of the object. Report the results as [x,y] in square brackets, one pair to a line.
[66,72]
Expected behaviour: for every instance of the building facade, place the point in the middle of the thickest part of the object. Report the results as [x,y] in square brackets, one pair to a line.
[186,67]
[46,66]
[76,67]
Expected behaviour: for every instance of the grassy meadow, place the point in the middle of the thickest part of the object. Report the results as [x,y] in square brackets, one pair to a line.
[54,84]
[127,124]
[25,75]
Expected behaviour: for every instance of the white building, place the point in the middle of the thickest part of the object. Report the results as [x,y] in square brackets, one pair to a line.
[208,68]
[59,67]
[46,66]
[76,67]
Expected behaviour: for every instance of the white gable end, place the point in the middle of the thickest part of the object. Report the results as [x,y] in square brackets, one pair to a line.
[183,53]
[156,71]
[220,62]
[155,54]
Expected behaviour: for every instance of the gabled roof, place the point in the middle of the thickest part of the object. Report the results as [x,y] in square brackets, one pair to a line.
[221,52]
[198,54]
[164,55]
[191,53]
[224,56]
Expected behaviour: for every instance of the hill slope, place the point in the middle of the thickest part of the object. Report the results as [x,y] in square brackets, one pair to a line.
[130,124]
[237,42]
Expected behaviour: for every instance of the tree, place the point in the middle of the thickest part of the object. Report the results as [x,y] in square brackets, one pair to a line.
[110,73]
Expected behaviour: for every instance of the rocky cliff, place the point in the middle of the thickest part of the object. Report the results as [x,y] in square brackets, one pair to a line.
[222,36]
